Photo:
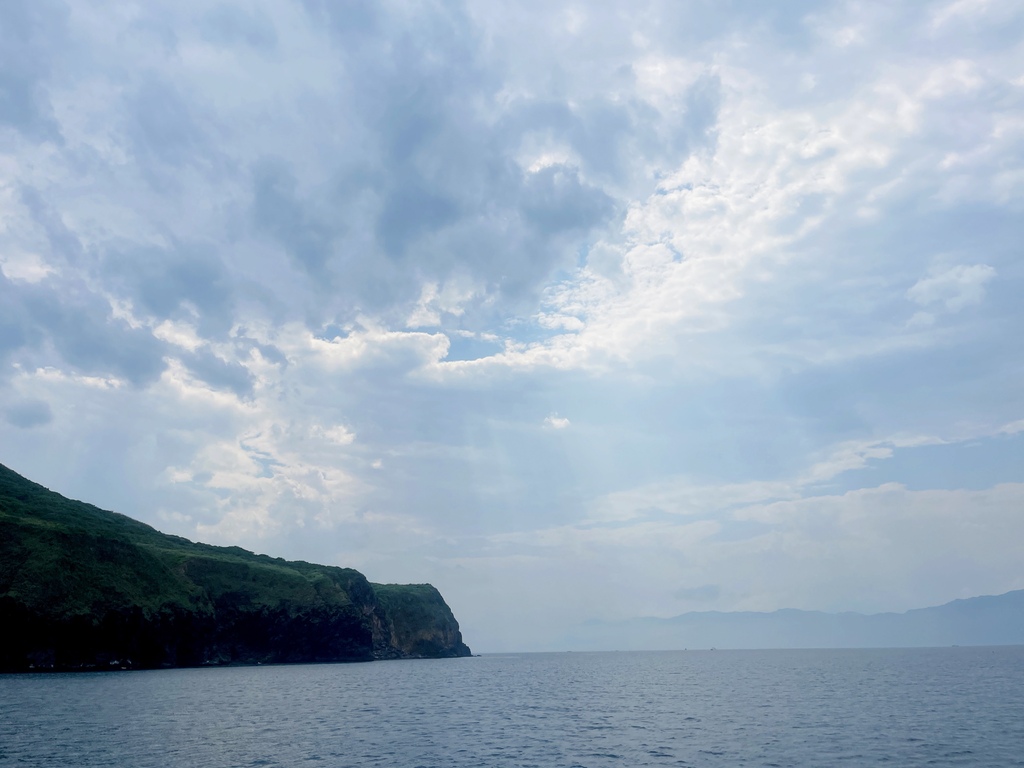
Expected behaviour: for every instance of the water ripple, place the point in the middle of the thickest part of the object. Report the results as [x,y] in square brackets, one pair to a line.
[941,707]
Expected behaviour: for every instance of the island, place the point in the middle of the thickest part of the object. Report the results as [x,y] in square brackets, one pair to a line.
[86,589]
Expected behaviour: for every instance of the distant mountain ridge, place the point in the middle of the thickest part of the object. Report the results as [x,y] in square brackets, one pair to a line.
[82,588]
[986,620]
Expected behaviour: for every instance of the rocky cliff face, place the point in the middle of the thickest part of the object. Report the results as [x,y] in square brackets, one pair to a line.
[419,622]
[85,588]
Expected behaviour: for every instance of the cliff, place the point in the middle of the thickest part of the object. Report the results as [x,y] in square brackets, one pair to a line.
[84,588]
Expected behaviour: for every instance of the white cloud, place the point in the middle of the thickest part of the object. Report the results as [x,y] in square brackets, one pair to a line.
[25,266]
[338,434]
[954,288]
[435,302]
[680,496]
[367,345]
[556,422]
[179,333]
[961,11]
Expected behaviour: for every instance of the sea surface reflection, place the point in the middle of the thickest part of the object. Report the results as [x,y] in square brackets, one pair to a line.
[938,707]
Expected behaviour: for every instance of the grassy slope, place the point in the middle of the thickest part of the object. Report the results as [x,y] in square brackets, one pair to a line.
[68,557]
[64,560]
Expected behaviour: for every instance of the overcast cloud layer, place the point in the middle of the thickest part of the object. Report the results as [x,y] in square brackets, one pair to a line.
[575,311]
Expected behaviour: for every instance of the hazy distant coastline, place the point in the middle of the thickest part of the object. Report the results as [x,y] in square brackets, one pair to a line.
[986,620]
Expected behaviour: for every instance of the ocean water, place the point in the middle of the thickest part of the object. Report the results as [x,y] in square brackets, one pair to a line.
[917,707]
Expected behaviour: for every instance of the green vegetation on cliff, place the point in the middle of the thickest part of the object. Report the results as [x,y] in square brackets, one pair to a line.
[416,619]
[82,587]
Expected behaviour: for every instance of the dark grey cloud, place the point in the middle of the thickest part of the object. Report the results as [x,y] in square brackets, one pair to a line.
[13,333]
[428,188]
[163,124]
[64,244]
[16,327]
[431,186]
[556,201]
[609,136]
[28,31]
[273,354]
[278,210]
[245,343]
[180,282]
[703,101]
[410,211]
[29,413]
[219,373]
[64,316]
[80,327]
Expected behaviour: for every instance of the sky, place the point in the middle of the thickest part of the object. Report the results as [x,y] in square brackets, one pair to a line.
[574,310]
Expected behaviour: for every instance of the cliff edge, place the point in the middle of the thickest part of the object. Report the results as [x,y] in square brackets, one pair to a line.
[83,588]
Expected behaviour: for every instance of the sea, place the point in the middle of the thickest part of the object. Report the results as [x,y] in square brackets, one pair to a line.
[896,707]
